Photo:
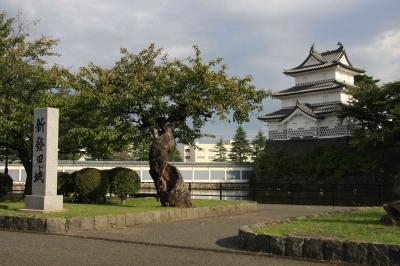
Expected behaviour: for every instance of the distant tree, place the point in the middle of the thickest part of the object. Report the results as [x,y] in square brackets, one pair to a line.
[240,146]
[141,149]
[175,156]
[126,154]
[376,111]
[258,144]
[220,151]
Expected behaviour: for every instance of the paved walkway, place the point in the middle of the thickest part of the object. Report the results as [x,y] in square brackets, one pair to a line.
[206,241]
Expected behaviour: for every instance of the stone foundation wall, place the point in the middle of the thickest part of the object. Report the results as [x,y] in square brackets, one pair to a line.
[319,249]
[302,146]
[64,225]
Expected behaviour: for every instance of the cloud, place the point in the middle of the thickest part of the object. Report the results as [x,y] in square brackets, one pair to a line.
[381,55]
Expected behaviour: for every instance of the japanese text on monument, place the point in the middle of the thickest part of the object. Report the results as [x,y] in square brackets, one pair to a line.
[40,148]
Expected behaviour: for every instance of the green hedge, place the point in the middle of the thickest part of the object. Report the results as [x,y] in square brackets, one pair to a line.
[6,184]
[322,165]
[90,185]
[123,182]
[65,184]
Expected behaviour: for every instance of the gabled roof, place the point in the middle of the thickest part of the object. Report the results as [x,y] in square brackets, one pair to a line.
[323,60]
[302,109]
[321,85]
[313,110]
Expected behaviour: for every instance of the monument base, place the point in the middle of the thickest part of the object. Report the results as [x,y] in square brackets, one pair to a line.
[44,203]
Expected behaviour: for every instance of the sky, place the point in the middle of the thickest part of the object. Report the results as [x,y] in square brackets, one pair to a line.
[255,37]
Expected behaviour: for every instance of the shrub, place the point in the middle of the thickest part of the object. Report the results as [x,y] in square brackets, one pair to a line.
[90,185]
[321,165]
[123,182]
[65,184]
[6,183]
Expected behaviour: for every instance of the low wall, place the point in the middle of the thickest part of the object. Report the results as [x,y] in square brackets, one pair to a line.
[65,225]
[191,172]
[316,248]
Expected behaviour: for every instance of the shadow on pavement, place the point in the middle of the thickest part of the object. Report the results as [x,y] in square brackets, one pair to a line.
[231,242]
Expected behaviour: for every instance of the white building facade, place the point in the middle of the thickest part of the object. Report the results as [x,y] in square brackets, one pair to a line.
[309,109]
[202,153]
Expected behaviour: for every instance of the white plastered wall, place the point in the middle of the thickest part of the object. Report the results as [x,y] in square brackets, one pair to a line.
[321,97]
[344,76]
[306,77]
[300,121]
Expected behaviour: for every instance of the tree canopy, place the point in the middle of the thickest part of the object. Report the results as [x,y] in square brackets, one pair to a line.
[144,92]
[26,82]
[376,111]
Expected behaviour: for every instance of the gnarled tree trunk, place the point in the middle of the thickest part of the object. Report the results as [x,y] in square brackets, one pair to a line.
[171,189]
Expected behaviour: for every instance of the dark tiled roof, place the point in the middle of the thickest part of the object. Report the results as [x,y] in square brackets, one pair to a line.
[313,110]
[324,60]
[322,85]
[306,109]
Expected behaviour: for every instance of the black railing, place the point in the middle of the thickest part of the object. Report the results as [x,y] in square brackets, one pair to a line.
[323,194]
[211,190]
[295,193]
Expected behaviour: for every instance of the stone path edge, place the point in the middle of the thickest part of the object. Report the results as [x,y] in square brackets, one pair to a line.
[76,224]
[316,248]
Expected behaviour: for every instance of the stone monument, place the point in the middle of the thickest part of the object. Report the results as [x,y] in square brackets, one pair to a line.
[44,162]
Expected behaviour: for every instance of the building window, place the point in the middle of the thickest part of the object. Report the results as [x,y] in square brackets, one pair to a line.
[187,157]
[187,150]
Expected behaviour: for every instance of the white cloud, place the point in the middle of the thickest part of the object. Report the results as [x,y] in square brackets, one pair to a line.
[287,8]
[381,56]
[390,42]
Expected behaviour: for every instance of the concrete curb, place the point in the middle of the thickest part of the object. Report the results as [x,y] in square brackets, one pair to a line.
[318,249]
[75,224]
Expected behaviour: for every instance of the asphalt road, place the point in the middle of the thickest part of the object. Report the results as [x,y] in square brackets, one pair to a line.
[208,241]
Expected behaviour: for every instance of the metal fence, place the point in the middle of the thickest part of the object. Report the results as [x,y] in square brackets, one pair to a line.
[323,194]
[291,193]
[312,194]
[284,193]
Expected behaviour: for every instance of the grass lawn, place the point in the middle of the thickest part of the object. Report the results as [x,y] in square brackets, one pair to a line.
[362,225]
[112,207]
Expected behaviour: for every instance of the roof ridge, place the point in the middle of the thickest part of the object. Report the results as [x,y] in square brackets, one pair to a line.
[339,49]
[318,56]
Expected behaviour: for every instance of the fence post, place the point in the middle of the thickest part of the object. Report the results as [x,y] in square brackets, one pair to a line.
[355,194]
[220,191]
[291,193]
[254,192]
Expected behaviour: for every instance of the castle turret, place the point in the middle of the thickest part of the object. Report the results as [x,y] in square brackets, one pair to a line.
[309,109]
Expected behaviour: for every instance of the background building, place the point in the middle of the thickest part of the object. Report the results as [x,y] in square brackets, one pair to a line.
[200,152]
[309,108]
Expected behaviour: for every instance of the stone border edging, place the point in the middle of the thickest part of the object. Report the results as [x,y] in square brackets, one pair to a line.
[74,224]
[316,248]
